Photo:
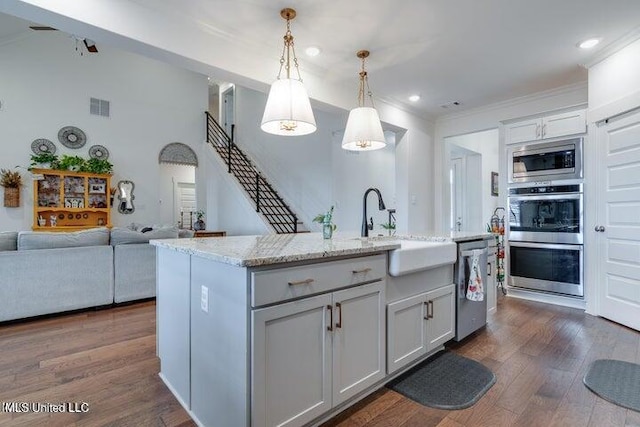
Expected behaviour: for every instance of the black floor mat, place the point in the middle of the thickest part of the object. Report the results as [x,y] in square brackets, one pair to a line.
[445,381]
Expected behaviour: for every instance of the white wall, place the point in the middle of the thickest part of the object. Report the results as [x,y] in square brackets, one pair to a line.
[352,174]
[228,208]
[486,145]
[299,168]
[46,85]
[489,117]
[614,83]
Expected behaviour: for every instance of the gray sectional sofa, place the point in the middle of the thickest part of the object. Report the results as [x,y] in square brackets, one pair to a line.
[44,273]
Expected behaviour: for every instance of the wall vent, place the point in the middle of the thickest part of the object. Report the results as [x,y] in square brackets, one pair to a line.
[99,107]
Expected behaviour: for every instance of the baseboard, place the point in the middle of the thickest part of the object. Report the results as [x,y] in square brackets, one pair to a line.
[546,298]
[182,402]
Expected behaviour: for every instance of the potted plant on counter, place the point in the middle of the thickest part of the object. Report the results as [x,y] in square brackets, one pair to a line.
[11,181]
[328,227]
[199,224]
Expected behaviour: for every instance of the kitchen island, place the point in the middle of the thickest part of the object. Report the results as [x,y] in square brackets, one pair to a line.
[285,329]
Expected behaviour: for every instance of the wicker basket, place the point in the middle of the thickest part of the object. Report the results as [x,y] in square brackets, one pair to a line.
[11,197]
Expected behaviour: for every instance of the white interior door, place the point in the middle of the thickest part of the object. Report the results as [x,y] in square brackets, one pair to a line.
[619,214]
[228,110]
[457,198]
[185,203]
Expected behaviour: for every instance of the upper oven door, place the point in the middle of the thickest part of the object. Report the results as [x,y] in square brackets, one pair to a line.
[553,218]
[557,160]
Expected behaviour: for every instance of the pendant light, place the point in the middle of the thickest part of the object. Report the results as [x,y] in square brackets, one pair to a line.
[363,131]
[288,110]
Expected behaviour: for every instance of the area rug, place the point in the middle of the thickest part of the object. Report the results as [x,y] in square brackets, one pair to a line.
[445,381]
[615,381]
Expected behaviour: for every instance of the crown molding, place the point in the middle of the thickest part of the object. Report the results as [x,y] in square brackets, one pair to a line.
[613,47]
[549,93]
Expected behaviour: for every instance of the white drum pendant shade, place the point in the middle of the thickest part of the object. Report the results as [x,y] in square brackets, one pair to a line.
[364,131]
[288,110]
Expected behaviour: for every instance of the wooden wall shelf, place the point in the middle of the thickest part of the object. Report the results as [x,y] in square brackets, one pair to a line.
[77,200]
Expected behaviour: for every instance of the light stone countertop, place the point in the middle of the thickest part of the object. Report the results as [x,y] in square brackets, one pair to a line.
[253,251]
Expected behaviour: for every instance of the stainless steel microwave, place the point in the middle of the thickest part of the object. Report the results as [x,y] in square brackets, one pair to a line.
[546,161]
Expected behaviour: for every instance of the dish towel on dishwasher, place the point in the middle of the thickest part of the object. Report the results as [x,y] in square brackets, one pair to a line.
[475,288]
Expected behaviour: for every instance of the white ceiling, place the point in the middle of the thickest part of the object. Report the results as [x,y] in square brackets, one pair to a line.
[473,51]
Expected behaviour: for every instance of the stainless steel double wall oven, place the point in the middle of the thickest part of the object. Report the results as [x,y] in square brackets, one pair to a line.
[546,218]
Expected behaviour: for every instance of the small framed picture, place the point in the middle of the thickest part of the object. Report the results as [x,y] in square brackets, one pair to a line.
[494,184]
[97,188]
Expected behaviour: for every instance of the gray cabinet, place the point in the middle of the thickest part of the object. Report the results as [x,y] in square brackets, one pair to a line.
[314,353]
[419,324]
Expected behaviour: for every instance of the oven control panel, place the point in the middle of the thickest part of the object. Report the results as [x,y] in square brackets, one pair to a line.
[577,188]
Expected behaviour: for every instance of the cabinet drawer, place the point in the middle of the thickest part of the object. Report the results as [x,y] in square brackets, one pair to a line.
[269,286]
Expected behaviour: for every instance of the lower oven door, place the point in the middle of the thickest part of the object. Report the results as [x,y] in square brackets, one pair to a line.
[547,267]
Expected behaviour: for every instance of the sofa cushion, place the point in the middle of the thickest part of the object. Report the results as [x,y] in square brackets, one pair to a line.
[126,236]
[8,240]
[28,240]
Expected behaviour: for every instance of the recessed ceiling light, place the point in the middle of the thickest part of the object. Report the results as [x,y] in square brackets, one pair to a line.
[312,51]
[414,98]
[589,43]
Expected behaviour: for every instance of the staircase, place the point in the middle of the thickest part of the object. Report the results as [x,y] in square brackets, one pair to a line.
[267,201]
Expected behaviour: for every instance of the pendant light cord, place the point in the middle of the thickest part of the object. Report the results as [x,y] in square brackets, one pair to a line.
[364,84]
[287,51]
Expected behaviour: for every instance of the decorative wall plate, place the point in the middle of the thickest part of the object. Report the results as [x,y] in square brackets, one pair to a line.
[98,152]
[78,216]
[70,216]
[42,146]
[72,137]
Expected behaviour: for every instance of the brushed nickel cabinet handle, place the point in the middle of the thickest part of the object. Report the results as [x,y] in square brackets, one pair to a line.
[364,270]
[537,131]
[426,309]
[330,327]
[544,130]
[301,282]
[339,322]
[430,312]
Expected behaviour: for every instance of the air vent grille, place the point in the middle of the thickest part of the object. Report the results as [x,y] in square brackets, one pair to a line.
[99,107]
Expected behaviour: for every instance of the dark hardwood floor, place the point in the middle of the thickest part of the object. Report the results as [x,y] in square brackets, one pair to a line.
[106,358]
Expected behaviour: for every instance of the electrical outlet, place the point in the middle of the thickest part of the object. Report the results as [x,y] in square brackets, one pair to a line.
[204,299]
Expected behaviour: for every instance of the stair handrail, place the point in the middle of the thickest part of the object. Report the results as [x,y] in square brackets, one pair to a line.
[218,137]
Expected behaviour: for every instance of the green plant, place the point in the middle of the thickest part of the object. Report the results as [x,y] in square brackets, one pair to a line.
[44,159]
[10,179]
[98,166]
[74,163]
[388,225]
[200,214]
[326,219]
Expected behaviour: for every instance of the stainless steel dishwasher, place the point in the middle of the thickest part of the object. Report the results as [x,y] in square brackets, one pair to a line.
[470,315]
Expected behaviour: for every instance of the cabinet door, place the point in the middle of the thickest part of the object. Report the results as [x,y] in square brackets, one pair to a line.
[563,124]
[358,339]
[527,130]
[441,312]
[291,361]
[406,331]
